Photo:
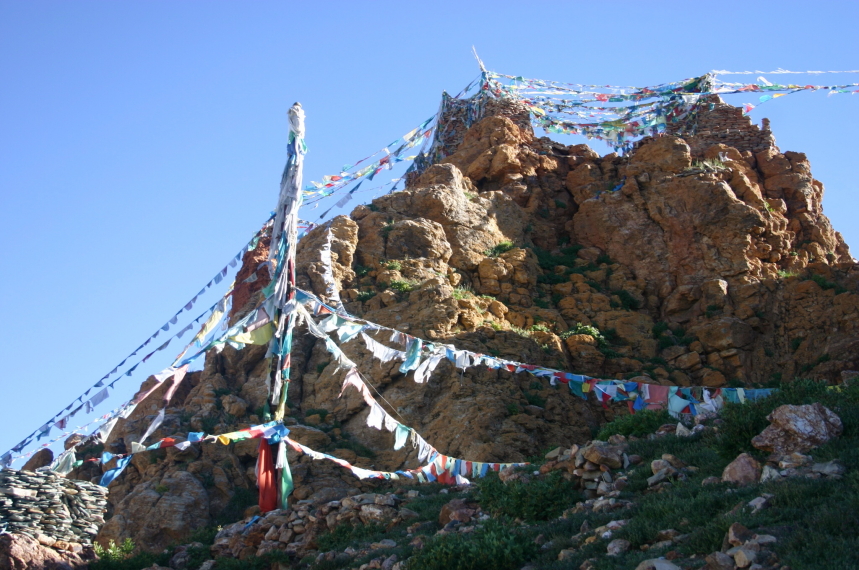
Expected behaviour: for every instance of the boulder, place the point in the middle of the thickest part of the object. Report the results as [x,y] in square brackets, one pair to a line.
[618,546]
[744,470]
[20,552]
[719,561]
[159,513]
[41,458]
[309,436]
[603,455]
[798,428]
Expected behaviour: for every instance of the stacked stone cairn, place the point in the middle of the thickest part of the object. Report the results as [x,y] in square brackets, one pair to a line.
[593,466]
[50,508]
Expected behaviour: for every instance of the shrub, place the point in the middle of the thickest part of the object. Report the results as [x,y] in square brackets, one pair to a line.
[551,278]
[611,336]
[492,547]
[609,353]
[535,399]
[540,499]
[462,293]
[560,204]
[659,328]
[386,229]
[393,265]
[585,329]
[357,447]
[540,327]
[640,424]
[322,412]
[825,284]
[627,301]
[402,286]
[499,248]
[365,295]
[242,499]
[362,270]
[209,423]
[119,557]
[541,303]
[603,258]
[795,342]
[548,261]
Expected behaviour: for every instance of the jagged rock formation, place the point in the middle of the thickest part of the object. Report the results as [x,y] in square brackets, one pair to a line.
[696,263]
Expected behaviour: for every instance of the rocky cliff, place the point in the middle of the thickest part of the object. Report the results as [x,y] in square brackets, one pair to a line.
[687,262]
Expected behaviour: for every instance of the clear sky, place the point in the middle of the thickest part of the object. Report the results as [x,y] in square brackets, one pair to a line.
[142,143]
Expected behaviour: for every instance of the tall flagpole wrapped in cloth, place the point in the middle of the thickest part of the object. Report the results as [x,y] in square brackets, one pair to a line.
[282,288]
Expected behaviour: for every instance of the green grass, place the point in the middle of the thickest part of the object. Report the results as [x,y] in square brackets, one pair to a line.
[362,270]
[567,257]
[321,412]
[364,296]
[346,535]
[744,421]
[242,499]
[627,300]
[462,293]
[499,248]
[495,546]
[535,399]
[541,499]
[825,284]
[579,328]
[359,448]
[640,424]
[403,286]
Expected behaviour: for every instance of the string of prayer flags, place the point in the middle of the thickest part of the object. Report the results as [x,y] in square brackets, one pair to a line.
[427,355]
[59,417]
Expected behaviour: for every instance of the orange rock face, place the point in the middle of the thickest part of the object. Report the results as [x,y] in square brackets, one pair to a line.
[687,262]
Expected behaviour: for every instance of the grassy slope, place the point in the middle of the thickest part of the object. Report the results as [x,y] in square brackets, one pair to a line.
[816,521]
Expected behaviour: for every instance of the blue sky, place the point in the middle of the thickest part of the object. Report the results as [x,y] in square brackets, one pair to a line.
[141,143]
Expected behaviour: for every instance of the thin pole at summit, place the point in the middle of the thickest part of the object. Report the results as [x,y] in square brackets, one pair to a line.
[284,241]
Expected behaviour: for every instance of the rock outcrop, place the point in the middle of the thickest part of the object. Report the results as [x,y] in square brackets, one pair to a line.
[20,552]
[686,262]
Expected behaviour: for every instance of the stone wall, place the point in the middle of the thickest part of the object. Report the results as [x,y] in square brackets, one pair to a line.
[48,507]
[720,123]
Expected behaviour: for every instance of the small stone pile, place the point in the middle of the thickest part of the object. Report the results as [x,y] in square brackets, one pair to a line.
[295,530]
[592,466]
[742,548]
[56,511]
